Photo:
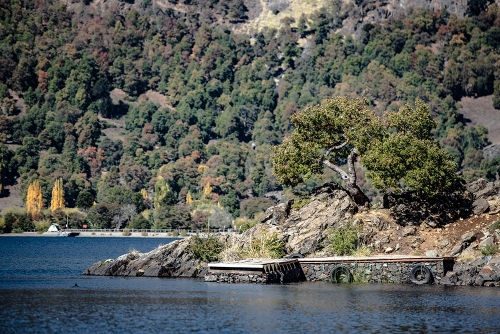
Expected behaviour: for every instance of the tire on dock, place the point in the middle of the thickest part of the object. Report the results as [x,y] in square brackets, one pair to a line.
[341,274]
[420,275]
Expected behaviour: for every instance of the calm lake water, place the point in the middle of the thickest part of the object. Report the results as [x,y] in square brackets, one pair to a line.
[38,295]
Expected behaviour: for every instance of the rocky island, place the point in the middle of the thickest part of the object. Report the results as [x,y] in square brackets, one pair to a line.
[400,227]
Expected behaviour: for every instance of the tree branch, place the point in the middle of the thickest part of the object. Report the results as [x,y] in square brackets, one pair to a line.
[333,148]
[336,168]
[350,176]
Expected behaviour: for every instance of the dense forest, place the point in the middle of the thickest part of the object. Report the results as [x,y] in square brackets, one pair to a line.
[201,154]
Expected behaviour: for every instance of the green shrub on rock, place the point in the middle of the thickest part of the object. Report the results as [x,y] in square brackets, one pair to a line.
[205,249]
[489,250]
[343,240]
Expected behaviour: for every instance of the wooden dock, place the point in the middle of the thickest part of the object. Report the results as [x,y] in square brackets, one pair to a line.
[372,269]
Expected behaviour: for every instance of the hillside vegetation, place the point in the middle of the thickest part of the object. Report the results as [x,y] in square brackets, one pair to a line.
[228,97]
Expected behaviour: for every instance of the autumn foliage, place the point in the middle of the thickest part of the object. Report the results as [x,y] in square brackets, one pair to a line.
[57,201]
[34,199]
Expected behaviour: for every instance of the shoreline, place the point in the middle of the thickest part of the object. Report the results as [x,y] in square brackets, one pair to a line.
[90,235]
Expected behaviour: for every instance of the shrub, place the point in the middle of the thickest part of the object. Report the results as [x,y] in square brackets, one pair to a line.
[183,233]
[489,250]
[343,240]
[144,234]
[175,233]
[205,249]
[267,246]
[300,202]
[495,225]
[264,245]
[126,232]
[42,226]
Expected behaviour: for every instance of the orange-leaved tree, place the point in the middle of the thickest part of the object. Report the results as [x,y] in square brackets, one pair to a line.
[57,201]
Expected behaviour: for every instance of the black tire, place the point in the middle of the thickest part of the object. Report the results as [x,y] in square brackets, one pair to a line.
[420,275]
[341,275]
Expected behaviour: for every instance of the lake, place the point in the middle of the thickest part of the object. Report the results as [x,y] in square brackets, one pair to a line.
[38,295]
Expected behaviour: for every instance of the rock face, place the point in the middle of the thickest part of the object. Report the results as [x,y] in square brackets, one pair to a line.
[485,196]
[304,230]
[171,260]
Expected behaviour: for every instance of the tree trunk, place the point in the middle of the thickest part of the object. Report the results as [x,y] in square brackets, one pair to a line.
[350,179]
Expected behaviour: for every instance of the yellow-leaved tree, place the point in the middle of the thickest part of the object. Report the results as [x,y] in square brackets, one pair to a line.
[207,191]
[34,199]
[57,201]
[189,198]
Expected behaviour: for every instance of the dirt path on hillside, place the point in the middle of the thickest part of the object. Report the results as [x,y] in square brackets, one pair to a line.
[480,111]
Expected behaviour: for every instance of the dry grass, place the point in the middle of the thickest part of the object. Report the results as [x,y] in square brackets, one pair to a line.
[270,20]
[362,251]
[264,245]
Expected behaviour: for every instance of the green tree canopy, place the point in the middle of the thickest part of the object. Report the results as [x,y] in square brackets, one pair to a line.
[399,152]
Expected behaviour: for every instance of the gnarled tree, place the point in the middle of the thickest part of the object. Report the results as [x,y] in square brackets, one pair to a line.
[398,152]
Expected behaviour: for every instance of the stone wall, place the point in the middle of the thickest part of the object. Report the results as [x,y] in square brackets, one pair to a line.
[375,272]
[283,274]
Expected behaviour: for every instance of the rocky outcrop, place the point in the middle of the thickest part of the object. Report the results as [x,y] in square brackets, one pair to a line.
[304,230]
[171,260]
[483,271]
[486,196]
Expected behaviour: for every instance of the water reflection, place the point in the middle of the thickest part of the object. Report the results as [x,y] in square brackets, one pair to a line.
[38,295]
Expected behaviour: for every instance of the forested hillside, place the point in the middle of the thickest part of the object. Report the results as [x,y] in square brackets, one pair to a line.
[76,87]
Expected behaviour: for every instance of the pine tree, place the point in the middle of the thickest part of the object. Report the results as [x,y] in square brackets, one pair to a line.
[207,191]
[189,198]
[34,199]
[57,201]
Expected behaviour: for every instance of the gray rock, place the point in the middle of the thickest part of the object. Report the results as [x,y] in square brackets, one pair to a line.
[468,237]
[477,185]
[487,242]
[489,190]
[488,274]
[210,278]
[480,206]
[379,223]
[409,230]
[277,214]
[450,278]
[389,250]
[443,243]
[432,253]
[457,249]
